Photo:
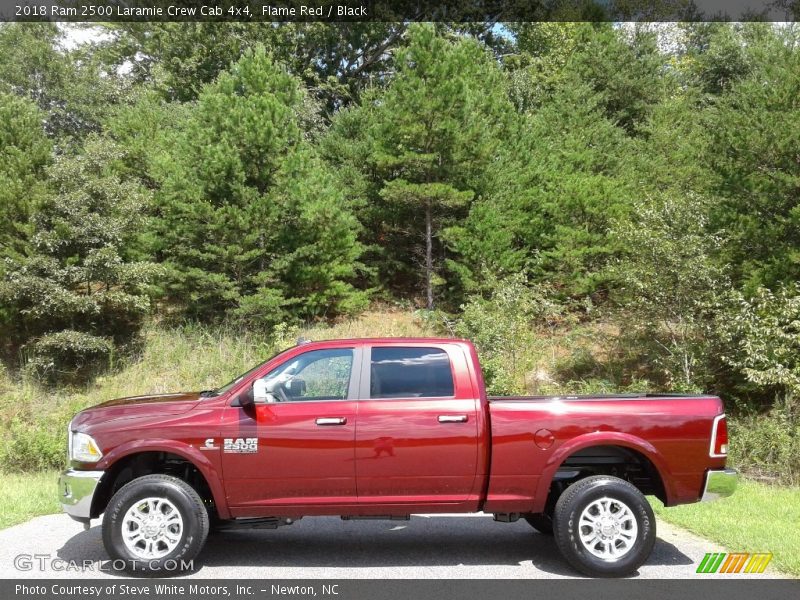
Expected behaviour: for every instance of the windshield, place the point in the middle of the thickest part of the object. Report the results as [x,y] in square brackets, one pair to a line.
[227,387]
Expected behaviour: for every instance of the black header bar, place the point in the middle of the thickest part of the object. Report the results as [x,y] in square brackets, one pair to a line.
[335,11]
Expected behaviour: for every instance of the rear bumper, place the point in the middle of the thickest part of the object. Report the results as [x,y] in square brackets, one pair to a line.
[76,492]
[720,483]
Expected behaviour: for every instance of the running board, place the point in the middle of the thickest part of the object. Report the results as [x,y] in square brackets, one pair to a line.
[376,518]
[255,523]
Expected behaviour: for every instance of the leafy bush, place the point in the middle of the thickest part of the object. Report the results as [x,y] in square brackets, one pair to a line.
[76,293]
[67,356]
[504,327]
[759,341]
[763,334]
[767,445]
[668,282]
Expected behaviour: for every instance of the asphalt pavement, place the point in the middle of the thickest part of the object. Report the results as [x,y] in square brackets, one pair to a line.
[427,546]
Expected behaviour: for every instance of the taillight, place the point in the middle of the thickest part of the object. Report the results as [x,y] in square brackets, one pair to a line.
[719,437]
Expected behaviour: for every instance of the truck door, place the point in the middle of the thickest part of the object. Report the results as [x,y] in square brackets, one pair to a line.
[417,430]
[297,448]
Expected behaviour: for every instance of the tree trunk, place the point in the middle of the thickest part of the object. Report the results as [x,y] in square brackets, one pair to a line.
[429,254]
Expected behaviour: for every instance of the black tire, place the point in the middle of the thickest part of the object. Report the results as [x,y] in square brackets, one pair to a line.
[571,505]
[192,512]
[541,522]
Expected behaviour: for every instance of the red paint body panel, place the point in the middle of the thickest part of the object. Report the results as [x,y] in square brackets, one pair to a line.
[405,456]
[673,433]
[394,455]
[297,461]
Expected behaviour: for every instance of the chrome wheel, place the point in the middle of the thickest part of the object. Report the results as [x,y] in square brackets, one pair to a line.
[608,529]
[152,528]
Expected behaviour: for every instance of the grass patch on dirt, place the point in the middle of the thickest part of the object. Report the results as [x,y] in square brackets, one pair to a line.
[757,518]
[27,495]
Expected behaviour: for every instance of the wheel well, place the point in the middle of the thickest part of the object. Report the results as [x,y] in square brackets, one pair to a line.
[618,461]
[132,466]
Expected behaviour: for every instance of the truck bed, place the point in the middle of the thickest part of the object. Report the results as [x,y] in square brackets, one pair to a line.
[533,435]
[627,396]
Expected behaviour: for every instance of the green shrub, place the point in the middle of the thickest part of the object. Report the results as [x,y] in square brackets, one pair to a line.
[762,334]
[34,445]
[506,328]
[67,356]
[767,445]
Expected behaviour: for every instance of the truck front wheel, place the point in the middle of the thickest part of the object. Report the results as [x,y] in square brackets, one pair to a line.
[156,524]
[604,526]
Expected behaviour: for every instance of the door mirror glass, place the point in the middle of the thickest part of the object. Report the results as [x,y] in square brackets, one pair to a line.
[261,393]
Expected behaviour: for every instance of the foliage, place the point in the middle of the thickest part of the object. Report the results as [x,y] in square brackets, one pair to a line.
[73,89]
[76,293]
[624,68]
[764,336]
[667,282]
[537,69]
[433,132]
[768,445]
[551,198]
[24,153]
[334,63]
[505,329]
[753,130]
[251,224]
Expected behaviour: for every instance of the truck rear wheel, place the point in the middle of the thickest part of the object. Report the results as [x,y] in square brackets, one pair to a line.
[156,524]
[604,526]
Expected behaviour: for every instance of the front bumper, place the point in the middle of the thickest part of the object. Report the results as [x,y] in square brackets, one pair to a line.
[76,492]
[720,483]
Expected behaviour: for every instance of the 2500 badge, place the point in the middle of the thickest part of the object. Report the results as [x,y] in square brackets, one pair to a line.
[233,445]
[240,445]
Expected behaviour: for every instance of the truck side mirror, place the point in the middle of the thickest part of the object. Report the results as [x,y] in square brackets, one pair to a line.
[261,394]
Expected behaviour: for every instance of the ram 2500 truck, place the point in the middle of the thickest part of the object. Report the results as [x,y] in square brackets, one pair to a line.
[383,428]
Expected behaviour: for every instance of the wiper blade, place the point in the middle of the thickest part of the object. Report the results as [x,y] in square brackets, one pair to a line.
[209,393]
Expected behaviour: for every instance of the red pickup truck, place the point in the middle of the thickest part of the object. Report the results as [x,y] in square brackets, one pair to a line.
[383,428]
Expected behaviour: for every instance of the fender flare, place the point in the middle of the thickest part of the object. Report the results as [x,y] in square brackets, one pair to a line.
[186,451]
[600,438]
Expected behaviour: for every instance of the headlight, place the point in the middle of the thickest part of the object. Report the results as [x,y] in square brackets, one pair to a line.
[83,448]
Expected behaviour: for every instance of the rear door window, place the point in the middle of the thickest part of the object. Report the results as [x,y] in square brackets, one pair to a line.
[410,373]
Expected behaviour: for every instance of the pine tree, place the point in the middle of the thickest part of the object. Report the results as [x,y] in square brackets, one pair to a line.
[423,148]
[250,222]
[560,182]
[76,295]
[753,133]
[24,153]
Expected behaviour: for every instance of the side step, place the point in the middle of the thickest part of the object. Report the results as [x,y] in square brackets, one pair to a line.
[507,517]
[376,518]
[255,523]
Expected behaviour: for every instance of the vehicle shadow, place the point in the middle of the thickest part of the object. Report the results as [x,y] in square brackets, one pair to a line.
[330,543]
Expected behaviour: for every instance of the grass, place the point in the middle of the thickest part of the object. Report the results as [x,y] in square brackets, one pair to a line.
[27,495]
[757,518]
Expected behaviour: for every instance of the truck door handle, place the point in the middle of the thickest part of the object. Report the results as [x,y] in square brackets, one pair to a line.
[452,418]
[331,420]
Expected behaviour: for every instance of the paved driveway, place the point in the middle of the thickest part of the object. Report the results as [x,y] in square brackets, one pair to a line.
[453,546]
